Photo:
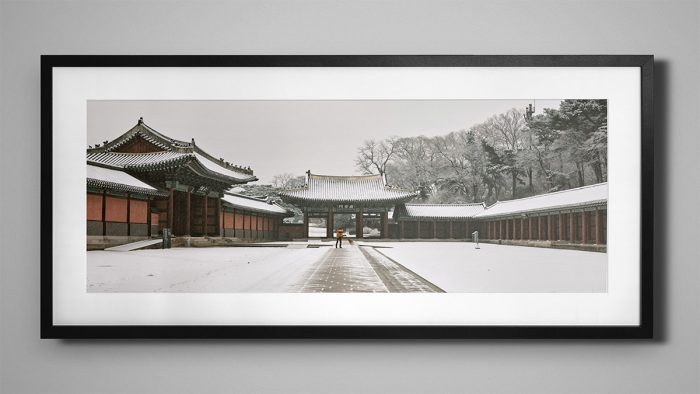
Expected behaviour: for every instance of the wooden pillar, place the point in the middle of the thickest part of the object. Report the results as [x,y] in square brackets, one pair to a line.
[539,228]
[219,219]
[598,233]
[360,223]
[522,228]
[572,229]
[560,233]
[306,223]
[385,224]
[329,223]
[507,232]
[401,229]
[205,214]
[584,227]
[104,212]
[171,201]
[529,228]
[451,230]
[257,226]
[128,214]
[515,233]
[188,213]
[418,229]
[434,228]
[500,229]
[549,228]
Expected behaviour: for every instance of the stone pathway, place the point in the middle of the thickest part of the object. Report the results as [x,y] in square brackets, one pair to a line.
[396,277]
[343,270]
[354,269]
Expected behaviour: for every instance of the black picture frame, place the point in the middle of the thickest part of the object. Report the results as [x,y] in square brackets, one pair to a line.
[644,330]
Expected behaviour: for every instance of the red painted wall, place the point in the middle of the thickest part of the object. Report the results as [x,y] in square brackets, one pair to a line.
[138,211]
[94,207]
[239,221]
[228,219]
[115,211]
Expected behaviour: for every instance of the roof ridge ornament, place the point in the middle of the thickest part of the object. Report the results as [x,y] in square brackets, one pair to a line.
[140,120]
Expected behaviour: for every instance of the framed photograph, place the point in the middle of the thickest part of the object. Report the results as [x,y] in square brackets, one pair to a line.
[377,197]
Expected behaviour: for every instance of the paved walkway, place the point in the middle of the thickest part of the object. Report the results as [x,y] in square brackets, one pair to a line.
[354,269]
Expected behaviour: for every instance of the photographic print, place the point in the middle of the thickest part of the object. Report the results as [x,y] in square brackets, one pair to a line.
[398,196]
[346,196]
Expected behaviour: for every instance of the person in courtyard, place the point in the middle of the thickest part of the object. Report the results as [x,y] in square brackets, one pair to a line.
[339,234]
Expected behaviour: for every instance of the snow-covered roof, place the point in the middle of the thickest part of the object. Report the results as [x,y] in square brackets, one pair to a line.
[441,211]
[163,151]
[101,177]
[346,189]
[154,160]
[254,204]
[217,167]
[584,196]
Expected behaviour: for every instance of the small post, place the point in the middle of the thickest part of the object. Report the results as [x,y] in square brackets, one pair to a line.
[475,237]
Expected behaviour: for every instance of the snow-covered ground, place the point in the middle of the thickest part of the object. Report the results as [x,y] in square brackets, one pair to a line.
[452,266]
[458,267]
[226,269]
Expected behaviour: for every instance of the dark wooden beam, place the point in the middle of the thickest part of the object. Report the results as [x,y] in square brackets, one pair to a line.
[205,213]
[188,213]
[104,213]
[128,214]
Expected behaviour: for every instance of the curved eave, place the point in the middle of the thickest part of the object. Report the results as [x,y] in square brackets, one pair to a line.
[540,211]
[100,184]
[200,169]
[193,164]
[285,214]
[317,201]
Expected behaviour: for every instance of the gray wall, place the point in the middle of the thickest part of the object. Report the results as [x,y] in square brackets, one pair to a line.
[667,29]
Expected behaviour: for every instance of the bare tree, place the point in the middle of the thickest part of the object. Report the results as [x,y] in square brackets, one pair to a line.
[373,157]
[287,180]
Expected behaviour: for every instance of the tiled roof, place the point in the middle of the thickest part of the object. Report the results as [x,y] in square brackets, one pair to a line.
[135,160]
[118,180]
[218,168]
[346,189]
[254,204]
[173,152]
[441,211]
[585,196]
[145,161]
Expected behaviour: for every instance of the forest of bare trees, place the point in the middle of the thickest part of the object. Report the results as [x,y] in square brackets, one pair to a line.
[509,155]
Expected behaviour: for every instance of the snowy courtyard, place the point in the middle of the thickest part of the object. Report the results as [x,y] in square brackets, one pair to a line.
[390,267]
[459,267]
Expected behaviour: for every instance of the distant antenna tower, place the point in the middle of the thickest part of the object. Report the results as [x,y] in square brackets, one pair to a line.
[529,111]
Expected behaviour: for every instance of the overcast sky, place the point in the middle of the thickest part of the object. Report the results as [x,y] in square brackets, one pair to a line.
[273,137]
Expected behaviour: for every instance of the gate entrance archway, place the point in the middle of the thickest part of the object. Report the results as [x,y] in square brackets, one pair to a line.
[360,204]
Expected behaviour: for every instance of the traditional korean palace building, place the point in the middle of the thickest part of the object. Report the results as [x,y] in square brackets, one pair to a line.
[441,221]
[367,198]
[569,217]
[144,181]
